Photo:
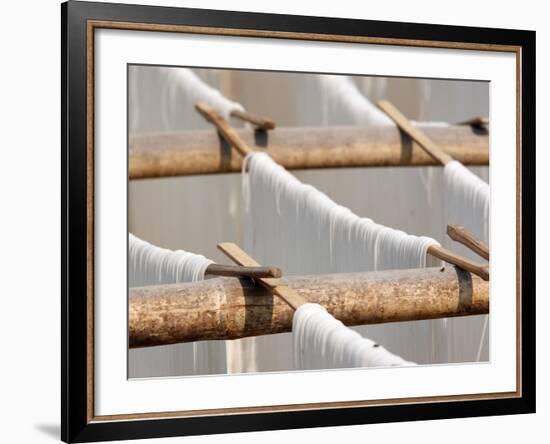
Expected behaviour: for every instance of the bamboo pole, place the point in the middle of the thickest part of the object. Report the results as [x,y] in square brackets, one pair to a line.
[202,152]
[229,308]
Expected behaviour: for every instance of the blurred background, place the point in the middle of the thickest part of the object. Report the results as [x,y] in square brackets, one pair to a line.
[194,213]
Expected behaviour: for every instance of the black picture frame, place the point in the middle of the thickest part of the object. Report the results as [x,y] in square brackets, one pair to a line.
[76,423]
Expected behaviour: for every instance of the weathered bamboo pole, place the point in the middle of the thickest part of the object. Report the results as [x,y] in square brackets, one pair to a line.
[204,152]
[229,308]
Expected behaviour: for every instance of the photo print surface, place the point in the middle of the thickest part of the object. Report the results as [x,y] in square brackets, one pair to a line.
[311,177]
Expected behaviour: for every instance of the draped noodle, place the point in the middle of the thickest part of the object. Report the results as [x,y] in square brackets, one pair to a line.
[152,265]
[297,225]
[467,199]
[322,342]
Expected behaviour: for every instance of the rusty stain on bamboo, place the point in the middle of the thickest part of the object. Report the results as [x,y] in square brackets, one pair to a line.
[230,308]
[204,152]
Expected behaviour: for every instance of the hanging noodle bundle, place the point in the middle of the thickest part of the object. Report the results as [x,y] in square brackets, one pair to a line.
[344,97]
[152,265]
[467,199]
[196,90]
[297,225]
[322,342]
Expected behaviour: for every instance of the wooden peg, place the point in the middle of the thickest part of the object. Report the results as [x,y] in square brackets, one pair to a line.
[460,234]
[478,121]
[238,271]
[260,122]
[226,130]
[481,270]
[414,133]
[275,285]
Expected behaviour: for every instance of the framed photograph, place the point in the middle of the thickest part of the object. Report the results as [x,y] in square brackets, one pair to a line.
[275,221]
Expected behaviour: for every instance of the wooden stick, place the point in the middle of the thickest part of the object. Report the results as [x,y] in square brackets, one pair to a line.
[277,286]
[460,234]
[260,122]
[200,151]
[414,133]
[478,121]
[238,271]
[229,308]
[481,270]
[227,132]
